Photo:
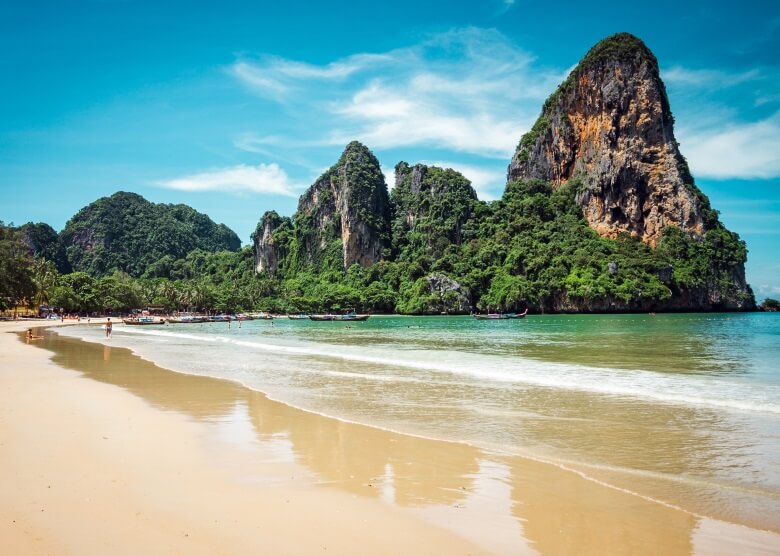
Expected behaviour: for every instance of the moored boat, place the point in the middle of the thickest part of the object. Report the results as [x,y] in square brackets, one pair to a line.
[323,317]
[262,316]
[353,316]
[298,317]
[219,318]
[501,316]
[187,319]
[141,321]
[349,316]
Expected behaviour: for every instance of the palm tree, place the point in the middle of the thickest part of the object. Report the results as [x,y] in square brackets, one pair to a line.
[45,277]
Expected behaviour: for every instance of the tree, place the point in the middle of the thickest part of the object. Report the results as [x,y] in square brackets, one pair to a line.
[77,292]
[45,277]
[770,304]
[16,269]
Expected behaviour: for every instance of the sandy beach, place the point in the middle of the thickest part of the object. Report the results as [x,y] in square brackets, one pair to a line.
[91,469]
[105,453]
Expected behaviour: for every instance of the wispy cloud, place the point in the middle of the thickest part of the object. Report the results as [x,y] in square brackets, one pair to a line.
[259,80]
[475,92]
[386,117]
[678,75]
[335,70]
[766,290]
[468,90]
[747,150]
[723,133]
[264,178]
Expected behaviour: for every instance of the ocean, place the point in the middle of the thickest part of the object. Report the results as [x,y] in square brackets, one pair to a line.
[683,409]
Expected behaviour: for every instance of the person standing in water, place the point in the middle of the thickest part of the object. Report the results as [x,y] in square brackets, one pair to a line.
[108,327]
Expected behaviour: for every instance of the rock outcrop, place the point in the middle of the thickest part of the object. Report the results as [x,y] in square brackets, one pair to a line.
[346,209]
[270,249]
[453,297]
[609,126]
[435,200]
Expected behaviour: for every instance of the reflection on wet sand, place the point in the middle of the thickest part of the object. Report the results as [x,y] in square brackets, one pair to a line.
[356,457]
[577,516]
[505,503]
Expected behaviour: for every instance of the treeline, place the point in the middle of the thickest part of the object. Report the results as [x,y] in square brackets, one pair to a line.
[222,281]
[531,248]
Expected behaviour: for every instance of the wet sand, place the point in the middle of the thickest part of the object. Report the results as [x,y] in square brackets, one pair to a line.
[103,452]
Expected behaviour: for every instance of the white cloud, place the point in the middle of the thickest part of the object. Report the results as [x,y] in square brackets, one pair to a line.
[264,178]
[746,151]
[389,178]
[468,90]
[385,118]
[335,70]
[258,79]
[678,75]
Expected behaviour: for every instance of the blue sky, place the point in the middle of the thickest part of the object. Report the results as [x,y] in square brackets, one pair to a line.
[236,107]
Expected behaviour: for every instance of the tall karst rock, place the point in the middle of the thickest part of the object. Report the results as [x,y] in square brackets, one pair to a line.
[342,219]
[430,207]
[271,239]
[609,124]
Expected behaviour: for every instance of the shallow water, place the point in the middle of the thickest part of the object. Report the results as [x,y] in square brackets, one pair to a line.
[684,409]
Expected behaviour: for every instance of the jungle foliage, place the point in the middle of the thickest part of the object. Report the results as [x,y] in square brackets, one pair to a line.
[530,248]
[127,233]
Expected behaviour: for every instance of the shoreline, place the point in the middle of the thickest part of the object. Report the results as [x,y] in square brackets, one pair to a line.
[518,506]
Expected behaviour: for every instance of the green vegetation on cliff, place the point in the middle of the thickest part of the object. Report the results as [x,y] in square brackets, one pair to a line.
[125,232]
[451,252]
[429,207]
[342,218]
[532,248]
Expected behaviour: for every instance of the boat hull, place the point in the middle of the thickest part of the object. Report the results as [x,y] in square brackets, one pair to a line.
[502,316]
[189,320]
[339,318]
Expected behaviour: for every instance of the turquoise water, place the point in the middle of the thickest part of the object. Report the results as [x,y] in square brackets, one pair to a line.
[681,408]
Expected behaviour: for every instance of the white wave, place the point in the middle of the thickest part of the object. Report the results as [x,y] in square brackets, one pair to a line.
[493,371]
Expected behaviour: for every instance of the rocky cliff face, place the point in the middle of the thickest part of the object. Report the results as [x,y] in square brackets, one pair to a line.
[435,200]
[609,125]
[270,248]
[346,209]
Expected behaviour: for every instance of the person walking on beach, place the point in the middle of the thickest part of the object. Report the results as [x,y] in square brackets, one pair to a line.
[108,327]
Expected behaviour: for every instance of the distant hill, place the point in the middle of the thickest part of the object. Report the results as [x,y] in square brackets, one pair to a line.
[44,242]
[128,233]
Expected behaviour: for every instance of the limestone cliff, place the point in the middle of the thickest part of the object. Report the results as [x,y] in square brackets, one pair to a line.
[346,213]
[609,125]
[271,245]
[430,206]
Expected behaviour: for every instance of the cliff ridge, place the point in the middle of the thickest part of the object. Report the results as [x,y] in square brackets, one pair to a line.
[609,125]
